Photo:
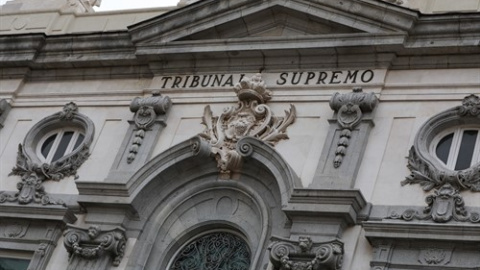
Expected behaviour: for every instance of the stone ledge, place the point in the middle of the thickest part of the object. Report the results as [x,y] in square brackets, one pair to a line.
[403,230]
[34,211]
[326,203]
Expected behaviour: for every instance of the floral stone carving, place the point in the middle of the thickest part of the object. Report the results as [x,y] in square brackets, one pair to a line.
[444,205]
[93,243]
[146,111]
[306,255]
[33,174]
[435,256]
[251,117]
[350,108]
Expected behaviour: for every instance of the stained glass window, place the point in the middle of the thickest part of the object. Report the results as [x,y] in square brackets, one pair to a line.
[214,251]
[13,264]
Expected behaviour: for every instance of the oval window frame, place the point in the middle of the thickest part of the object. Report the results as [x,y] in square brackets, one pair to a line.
[52,123]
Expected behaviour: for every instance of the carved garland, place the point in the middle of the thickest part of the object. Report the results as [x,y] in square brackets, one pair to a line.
[350,108]
[251,117]
[306,255]
[33,173]
[93,243]
[146,111]
[446,204]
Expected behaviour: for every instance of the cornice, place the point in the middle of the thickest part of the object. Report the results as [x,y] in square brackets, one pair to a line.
[40,212]
[401,230]
[426,41]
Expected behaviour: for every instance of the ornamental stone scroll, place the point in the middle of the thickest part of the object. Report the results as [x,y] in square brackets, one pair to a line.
[94,249]
[305,254]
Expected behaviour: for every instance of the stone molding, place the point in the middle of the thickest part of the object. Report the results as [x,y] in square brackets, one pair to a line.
[397,42]
[33,172]
[250,118]
[92,243]
[305,254]
[24,229]
[430,246]
[193,152]
[342,205]
[349,109]
[4,110]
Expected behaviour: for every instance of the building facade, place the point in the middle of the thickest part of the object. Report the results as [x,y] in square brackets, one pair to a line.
[240,134]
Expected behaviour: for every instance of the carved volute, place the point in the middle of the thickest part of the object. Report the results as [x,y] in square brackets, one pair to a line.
[306,255]
[87,244]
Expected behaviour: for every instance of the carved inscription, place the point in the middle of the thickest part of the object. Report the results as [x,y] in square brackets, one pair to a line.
[275,79]
[326,77]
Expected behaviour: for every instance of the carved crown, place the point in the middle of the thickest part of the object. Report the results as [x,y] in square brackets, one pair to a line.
[253,88]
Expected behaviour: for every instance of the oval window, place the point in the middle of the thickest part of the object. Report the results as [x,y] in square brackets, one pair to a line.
[459,149]
[59,143]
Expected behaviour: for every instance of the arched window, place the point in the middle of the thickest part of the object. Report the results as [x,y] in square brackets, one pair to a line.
[213,251]
[459,148]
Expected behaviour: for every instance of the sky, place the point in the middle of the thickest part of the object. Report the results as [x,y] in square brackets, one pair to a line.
[128,4]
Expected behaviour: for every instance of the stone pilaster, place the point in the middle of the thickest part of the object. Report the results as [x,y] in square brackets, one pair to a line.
[346,140]
[149,119]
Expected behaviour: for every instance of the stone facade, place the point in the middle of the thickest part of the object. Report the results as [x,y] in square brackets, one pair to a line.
[305,135]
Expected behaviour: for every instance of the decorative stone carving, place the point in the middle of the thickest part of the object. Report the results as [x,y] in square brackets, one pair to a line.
[16,229]
[470,106]
[146,111]
[68,111]
[33,173]
[306,255]
[95,244]
[435,256]
[350,108]
[251,117]
[444,205]
[422,165]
